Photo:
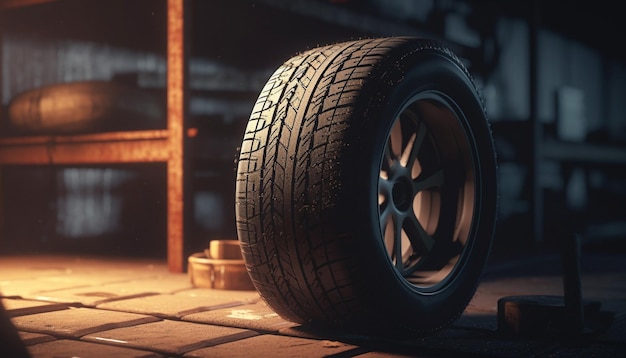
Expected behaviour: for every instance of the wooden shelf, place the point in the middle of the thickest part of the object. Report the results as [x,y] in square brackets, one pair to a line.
[12,4]
[164,145]
[101,148]
[138,25]
[583,153]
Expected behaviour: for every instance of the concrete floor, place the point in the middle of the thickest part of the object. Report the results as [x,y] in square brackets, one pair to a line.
[76,306]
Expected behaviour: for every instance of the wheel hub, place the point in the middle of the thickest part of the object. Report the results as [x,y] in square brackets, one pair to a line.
[425,201]
[402,194]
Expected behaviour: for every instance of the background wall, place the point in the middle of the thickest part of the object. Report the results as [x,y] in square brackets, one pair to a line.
[236,46]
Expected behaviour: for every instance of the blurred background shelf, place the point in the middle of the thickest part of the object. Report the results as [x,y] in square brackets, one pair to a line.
[113,147]
[592,154]
[532,61]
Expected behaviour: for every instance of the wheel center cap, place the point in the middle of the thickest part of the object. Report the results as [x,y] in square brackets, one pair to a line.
[402,194]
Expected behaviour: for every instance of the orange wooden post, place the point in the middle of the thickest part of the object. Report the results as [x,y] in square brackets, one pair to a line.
[177,70]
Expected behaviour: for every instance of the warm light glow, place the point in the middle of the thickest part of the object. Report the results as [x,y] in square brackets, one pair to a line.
[110,340]
[192,132]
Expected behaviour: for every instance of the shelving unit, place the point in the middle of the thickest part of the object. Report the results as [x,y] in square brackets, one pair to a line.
[191,28]
[569,155]
[583,153]
[172,145]
[547,212]
[142,146]
[100,148]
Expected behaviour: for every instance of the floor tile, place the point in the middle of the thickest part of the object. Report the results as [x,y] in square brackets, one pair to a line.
[76,322]
[477,320]
[202,319]
[26,271]
[475,342]
[31,287]
[92,296]
[257,316]
[247,296]
[71,348]
[275,346]
[170,337]
[30,338]
[89,296]
[182,303]
[19,307]
[79,268]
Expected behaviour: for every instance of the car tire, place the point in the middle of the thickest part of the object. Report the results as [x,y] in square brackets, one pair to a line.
[366,188]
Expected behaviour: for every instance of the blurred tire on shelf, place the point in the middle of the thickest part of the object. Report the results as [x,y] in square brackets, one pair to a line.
[83,107]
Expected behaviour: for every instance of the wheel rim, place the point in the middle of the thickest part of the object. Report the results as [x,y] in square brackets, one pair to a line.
[426,187]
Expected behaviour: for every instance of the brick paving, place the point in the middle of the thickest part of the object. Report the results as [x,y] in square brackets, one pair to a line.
[66,306]
[170,337]
[77,322]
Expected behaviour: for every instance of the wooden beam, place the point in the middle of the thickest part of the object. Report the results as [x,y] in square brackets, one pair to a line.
[76,152]
[177,80]
[11,4]
[2,130]
[84,138]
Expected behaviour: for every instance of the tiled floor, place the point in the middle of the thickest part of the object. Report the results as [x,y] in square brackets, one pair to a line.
[71,306]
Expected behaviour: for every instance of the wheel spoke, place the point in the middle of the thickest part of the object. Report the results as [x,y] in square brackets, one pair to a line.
[397,241]
[386,225]
[395,140]
[453,248]
[385,204]
[419,238]
[385,210]
[387,159]
[413,146]
[431,181]
[384,190]
[408,150]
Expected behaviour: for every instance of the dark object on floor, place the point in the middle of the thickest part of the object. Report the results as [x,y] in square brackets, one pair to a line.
[567,316]
[11,344]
